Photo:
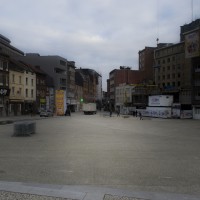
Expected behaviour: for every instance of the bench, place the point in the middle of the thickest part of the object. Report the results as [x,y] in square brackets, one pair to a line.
[24,128]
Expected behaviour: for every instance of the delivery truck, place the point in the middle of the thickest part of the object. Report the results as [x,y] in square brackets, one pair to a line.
[89,108]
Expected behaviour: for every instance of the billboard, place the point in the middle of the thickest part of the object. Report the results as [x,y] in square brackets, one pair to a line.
[160,100]
[60,102]
[192,47]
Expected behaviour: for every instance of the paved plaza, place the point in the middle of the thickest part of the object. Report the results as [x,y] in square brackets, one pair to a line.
[150,155]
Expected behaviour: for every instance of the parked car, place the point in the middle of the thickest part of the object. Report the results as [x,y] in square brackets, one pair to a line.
[46,113]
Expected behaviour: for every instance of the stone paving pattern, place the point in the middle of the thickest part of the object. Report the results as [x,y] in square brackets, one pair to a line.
[5,195]
[151,155]
[114,197]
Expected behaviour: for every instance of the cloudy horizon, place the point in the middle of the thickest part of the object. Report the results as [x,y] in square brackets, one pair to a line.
[98,34]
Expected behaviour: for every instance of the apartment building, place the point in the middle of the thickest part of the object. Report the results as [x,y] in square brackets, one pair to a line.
[4,84]
[172,75]
[22,84]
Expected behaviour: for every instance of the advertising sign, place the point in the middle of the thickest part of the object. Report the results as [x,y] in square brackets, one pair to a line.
[160,100]
[60,102]
[192,48]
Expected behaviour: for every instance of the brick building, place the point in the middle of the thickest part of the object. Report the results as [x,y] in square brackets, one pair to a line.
[146,63]
[121,76]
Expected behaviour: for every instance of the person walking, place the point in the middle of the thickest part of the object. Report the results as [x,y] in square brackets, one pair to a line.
[140,115]
[110,112]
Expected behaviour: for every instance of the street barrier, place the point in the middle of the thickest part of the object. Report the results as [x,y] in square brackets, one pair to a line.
[24,128]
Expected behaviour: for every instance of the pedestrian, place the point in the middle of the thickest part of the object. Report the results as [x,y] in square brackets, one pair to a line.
[140,115]
[110,112]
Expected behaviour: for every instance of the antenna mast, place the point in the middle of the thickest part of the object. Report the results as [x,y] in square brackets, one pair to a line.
[192,9]
[157,40]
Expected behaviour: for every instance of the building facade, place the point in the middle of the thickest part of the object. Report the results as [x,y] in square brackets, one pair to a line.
[124,75]
[4,85]
[172,75]
[146,63]
[55,67]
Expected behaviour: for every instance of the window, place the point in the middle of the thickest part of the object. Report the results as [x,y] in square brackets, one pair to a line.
[7,79]
[13,90]
[32,93]
[13,78]
[20,91]
[1,100]
[5,66]
[26,81]
[1,79]
[168,67]
[26,92]
[168,76]
[62,62]
[1,65]
[31,82]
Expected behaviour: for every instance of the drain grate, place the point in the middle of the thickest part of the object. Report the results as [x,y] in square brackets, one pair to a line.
[114,197]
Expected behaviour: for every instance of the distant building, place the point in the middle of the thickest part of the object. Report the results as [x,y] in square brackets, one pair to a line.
[188,27]
[7,48]
[146,63]
[124,75]
[91,82]
[57,68]
[172,74]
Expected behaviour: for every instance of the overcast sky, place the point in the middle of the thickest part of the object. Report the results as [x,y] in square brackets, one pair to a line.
[98,34]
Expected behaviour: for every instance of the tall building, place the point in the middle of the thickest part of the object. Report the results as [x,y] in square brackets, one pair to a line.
[190,33]
[171,72]
[146,63]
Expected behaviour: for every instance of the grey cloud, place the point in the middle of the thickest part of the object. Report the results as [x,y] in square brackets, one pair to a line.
[101,34]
